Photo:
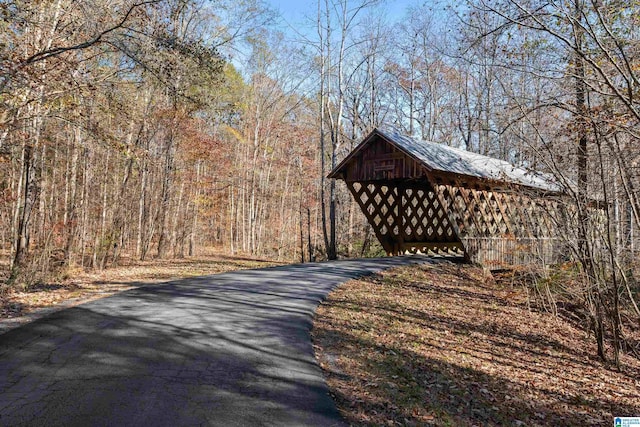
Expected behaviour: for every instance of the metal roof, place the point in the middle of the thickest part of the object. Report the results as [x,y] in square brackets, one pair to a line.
[442,158]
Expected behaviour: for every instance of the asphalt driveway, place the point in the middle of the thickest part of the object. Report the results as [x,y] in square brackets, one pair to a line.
[230,349]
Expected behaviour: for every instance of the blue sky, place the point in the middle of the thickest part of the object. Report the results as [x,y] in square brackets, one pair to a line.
[297,12]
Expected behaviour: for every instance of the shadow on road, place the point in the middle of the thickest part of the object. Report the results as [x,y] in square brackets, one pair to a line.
[228,349]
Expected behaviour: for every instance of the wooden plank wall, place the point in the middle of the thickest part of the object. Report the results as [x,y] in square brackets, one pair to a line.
[501,252]
[382,161]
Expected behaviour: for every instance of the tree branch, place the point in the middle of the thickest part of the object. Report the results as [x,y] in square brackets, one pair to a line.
[48,53]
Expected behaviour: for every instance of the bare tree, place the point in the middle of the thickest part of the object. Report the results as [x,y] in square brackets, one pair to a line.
[598,63]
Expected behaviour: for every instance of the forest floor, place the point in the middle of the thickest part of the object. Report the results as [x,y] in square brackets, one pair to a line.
[81,286]
[446,345]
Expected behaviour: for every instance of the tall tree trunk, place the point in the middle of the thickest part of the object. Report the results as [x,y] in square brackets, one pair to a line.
[29,196]
[325,50]
[194,215]
[141,245]
[312,257]
[167,182]
[581,119]
[71,202]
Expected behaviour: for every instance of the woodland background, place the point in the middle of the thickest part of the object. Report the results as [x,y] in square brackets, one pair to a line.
[156,128]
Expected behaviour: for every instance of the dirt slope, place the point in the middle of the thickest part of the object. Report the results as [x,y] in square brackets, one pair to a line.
[445,345]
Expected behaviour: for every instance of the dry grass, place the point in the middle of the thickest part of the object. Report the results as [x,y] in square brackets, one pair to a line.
[445,345]
[81,286]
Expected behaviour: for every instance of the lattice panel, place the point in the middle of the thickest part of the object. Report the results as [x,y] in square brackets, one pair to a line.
[406,219]
[485,213]
[511,215]
[379,203]
[423,217]
[410,218]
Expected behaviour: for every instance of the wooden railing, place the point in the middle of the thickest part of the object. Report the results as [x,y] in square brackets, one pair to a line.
[498,252]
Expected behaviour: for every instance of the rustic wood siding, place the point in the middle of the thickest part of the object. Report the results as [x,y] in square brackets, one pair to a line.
[382,161]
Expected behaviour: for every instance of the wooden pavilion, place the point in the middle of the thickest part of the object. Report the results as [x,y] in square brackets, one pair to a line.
[428,197]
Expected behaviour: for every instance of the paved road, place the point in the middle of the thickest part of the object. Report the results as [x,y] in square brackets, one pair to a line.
[230,349]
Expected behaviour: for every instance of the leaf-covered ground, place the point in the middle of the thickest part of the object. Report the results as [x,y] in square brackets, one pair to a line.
[82,286]
[443,344]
